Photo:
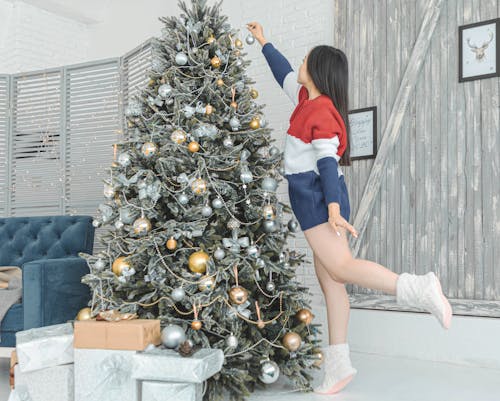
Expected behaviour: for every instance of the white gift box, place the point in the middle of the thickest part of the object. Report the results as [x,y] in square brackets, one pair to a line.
[165,391]
[105,375]
[44,347]
[167,365]
[48,384]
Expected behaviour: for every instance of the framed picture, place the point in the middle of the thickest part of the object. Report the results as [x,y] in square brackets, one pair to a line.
[478,50]
[363,123]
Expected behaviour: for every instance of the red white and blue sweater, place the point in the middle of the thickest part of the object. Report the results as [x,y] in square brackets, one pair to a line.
[315,141]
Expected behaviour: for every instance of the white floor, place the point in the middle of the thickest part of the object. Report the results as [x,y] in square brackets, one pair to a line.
[381,378]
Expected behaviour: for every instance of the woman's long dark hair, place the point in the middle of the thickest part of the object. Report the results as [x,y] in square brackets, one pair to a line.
[328,69]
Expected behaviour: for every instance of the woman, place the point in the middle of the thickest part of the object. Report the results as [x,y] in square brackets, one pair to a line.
[317,141]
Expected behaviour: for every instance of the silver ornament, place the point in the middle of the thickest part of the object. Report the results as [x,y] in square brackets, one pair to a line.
[165,90]
[124,159]
[269,372]
[293,225]
[235,124]
[126,215]
[260,263]
[182,177]
[270,286]
[232,341]
[269,184]
[269,226]
[253,251]
[281,170]
[217,203]
[206,211]
[178,294]
[119,224]
[99,264]
[246,175]
[219,254]
[96,223]
[109,191]
[273,151]
[250,39]
[181,58]
[263,122]
[172,335]
[183,199]
[228,142]
[269,212]
[239,86]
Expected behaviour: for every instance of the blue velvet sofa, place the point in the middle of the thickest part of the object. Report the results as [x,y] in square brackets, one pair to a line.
[46,248]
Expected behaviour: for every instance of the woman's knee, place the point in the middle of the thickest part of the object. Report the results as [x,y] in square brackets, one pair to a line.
[325,275]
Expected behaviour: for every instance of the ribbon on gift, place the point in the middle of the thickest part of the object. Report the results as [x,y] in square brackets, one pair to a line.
[41,333]
[115,372]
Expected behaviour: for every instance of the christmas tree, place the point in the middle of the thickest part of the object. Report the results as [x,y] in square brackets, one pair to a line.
[197,237]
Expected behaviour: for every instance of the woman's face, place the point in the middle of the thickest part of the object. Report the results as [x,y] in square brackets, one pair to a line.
[303,77]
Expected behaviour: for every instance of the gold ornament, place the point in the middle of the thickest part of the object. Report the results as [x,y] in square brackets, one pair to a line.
[193,147]
[319,357]
[206,283]
[115,316]
[210,39]
[237,52]
[234,104]
[142,225]
[148,149]
[119,265]
[305,316]
[254,123]
[199,186]
[292,341]
[196,325]
[269,212]
[171,243]
[220,82]
[254,93]
[198,262]
[215,61]
[151,82]
[209,109]
[130,124]
[84,314]
[178,136]
[238,294]
[238,43]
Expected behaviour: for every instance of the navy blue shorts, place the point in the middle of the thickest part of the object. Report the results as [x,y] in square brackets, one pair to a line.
[313,211]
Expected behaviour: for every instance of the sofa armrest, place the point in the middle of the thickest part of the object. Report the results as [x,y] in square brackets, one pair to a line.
[52,290]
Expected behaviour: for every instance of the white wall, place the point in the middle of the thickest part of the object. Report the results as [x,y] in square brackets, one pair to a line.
[64,32]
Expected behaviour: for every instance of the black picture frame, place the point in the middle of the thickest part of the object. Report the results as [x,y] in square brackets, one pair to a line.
[461,30]
[373,153]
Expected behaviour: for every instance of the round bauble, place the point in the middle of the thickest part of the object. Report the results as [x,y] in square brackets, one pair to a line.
[269,184]
[269,372]
[178,294]
[293,225]
[215,62]
[238,294]
[318,354]
[304,315]
[171,243]
[178,136]
[217,203]
[206,211]
[172,335]
[183,199]
[250,39]
[232,341]
[141,226]
[84,314]
[181,58]
[254,123]
[148,149]
[198,262]
[193,147]
[269,212]
[199,186]
[206,283]
[292,341]
[119,265]
[219,254]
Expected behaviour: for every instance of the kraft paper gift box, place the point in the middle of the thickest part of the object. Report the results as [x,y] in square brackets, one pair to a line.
[135,334]
[48,384]
[167,365]
[105,375]
[164,391]
[44,347]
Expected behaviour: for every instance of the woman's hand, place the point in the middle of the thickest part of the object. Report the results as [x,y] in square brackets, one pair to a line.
[336,220]
[256,29]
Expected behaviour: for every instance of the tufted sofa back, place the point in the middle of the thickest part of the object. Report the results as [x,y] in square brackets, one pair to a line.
[23,239]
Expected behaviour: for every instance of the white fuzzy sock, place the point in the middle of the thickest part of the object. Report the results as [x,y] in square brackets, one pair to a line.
[337,368]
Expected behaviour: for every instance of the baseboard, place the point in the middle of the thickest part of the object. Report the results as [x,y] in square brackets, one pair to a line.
[470,341]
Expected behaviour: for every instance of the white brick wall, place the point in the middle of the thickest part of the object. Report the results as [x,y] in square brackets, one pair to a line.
[34,39]
[294,27]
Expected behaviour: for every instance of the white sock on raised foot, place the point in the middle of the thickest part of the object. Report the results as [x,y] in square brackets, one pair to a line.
[338,369]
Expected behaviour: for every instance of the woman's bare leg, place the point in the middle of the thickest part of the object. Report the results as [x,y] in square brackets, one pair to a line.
[334,254]
[337,304]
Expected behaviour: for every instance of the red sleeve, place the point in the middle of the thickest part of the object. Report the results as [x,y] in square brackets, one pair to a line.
[323,124]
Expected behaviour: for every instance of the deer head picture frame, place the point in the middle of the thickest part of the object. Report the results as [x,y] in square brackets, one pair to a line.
[479,52]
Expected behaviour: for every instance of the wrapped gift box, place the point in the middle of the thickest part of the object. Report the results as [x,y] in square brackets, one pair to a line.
[48,384]
[105,375]
[44,347]
[162,391]
[167,365]
[134,334]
